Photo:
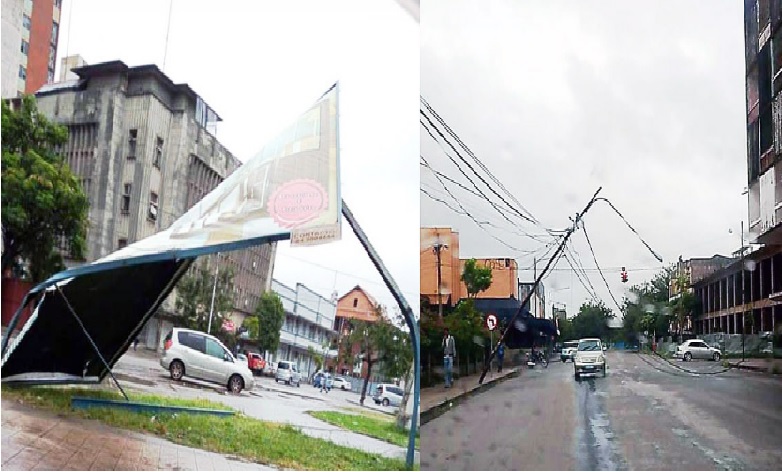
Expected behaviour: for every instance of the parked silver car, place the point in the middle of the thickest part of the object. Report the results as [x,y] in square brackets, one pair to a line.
[288,373]
[388,394]
[189,353]
[697,349]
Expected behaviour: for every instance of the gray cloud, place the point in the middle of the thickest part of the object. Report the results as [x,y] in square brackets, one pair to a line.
[558,98]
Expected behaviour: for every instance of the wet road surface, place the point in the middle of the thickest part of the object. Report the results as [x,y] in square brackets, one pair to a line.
[647,414]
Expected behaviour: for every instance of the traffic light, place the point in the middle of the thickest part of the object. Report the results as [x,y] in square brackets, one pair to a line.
[624,275]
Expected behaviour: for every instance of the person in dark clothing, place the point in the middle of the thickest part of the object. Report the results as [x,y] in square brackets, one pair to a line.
[500,356]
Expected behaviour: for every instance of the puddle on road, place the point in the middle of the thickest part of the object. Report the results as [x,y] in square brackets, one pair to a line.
[596,450]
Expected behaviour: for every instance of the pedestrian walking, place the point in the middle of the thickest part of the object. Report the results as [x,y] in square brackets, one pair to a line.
[449,352]
[135,343]
[500,356]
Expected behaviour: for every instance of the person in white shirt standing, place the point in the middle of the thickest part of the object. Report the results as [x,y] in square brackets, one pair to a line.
[449,352]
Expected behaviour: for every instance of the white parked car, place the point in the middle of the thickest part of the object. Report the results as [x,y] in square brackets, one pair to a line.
[388,394]
[288,373]
[189,353]
[589,358]
[342,383]
[697,349]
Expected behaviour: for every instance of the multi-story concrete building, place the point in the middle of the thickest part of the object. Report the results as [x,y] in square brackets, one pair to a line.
[139,145]
[752,286]
[30,33]
[308,329]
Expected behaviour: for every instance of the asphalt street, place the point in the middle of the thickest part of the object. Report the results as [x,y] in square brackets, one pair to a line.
[647,414]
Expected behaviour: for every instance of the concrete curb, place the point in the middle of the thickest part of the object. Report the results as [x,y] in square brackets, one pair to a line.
[370,407]
[754,368]
[444,406]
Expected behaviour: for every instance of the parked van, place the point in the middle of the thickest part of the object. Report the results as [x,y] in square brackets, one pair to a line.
[288,373]
[388,394]
[188,353]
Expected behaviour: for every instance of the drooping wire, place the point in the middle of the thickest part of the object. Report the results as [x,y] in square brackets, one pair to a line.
[631,228]
[475,158]
[472,169]
[591,249]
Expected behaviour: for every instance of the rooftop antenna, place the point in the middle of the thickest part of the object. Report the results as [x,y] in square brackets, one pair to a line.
[168,30]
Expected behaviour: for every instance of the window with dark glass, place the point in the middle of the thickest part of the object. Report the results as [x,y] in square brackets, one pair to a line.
[122,243]
[25,47]
[125,205]
[158,152]
[133,135]
[153,208]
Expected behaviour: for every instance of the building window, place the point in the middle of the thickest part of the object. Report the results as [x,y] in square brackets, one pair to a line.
[22,73]
[158,152]
[26,22]
[55,31]
[355,302]
[122,242]
[125,206]
[50,76]
[152,206]
[132,144]
[25,47]
[58,4]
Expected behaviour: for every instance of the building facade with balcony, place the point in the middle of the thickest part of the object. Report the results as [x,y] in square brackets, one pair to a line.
[308,329]
[140,147]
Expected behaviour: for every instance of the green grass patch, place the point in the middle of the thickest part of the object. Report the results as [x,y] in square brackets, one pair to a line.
[258,441]
[383,429]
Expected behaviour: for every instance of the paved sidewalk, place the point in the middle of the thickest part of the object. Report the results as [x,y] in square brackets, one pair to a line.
[436,398]
[37,440]
[760,365]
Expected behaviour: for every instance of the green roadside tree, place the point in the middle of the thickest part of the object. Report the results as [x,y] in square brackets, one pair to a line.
[592,320]
[377,343]
[43,202]
[271,317]
[194,298]
[477,279]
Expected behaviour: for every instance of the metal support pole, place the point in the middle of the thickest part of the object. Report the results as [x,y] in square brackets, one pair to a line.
[409,319]
[214,291]
[743,294]
[89,338]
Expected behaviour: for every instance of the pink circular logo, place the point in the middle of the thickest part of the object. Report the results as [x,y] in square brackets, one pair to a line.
[297,202]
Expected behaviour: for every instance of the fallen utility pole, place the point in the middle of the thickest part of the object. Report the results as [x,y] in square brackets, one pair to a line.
[553,258]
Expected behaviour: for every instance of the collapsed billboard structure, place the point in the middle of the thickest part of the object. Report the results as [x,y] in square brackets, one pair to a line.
[86,318]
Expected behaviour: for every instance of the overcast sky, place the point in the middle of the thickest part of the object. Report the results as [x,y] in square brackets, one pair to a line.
[645,99]
[261,64]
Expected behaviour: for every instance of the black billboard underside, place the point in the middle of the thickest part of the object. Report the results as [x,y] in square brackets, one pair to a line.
[526,329]
[113,306]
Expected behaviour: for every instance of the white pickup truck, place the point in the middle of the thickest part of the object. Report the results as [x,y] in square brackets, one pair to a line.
[568,351]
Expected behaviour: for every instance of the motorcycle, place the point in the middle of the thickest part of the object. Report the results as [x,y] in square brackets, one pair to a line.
[536,357]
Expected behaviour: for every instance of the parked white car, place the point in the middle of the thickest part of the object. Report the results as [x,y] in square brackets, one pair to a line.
[189,353]
[388,394]
[342,383]
[697,349]
[288,373]
[590,358]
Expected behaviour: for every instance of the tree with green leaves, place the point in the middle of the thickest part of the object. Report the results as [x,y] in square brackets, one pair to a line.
[271,317]
[476,278]
[317,357]
[42,200]
[377,343]
[251,324]
[592,320]
[685,306]
[194,297]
